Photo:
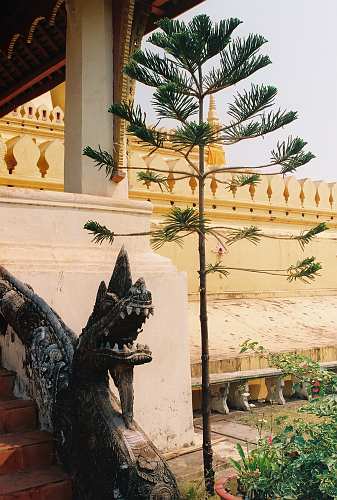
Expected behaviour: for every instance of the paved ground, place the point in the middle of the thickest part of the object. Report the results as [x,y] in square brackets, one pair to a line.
[227,430]
[279,324]
[226,433]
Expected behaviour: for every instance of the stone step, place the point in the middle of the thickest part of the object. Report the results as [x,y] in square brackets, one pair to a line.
[40,484]
[17,415]
[25,450]
[7,379]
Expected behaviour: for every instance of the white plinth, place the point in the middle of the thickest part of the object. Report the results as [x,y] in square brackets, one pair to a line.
[43,243]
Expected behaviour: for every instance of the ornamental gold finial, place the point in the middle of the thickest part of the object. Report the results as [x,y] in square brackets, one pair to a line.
[212,117]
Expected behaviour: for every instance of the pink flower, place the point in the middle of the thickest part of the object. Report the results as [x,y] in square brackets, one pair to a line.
[270,440]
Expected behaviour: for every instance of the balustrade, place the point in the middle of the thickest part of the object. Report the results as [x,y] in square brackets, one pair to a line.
[31,147]
[32,155]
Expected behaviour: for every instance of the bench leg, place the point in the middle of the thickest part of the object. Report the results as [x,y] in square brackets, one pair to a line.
[301,391]
[219,399]
[275,390]
[238,396]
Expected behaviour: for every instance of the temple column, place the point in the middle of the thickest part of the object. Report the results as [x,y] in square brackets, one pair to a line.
[89,92]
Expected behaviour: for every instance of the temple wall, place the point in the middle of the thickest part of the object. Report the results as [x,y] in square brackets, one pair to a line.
[31,142]
[63,266]
[278,206]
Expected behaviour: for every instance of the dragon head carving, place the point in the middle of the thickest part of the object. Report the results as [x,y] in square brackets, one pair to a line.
[119,313]
[108,342]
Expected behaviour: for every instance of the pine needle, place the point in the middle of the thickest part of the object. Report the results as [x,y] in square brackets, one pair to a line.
[149,176]
[178,224]
[217,268]
[100,233]
[305,270]
[305,237]
[243,180]
[247,233]
[102,159]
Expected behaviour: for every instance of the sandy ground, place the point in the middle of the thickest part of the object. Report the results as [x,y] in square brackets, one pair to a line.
[278,324]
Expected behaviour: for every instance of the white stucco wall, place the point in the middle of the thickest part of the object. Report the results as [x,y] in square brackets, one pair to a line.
[62,265]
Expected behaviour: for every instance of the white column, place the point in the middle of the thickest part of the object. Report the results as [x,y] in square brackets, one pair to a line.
[89,92]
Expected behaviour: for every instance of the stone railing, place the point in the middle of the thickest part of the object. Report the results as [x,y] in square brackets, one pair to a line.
[32,155]
[31,148]
[272,197]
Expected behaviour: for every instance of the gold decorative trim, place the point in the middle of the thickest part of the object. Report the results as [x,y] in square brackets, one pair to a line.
[55,11]
[134,19]
[12,45]
[33,27]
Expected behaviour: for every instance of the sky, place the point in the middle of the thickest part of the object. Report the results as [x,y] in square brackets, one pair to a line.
[302,45]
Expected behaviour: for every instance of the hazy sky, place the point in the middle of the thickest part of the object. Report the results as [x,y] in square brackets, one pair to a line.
[302,46]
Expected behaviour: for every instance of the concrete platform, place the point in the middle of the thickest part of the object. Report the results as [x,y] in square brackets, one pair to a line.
[302,324]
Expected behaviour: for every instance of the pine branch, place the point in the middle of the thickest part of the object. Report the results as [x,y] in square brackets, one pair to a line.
[290,154]
[238,61]
[100,233]
[164,170]
[243,180]
[175,40]
[267,124]
[137,124]
[155,70]
[249,103]
[169,102]
[252,234]
[214,37]
[149,136]
[306,237]
[142,75]
[102,159]
[193,43]
[305,270]
[178,224]
[194,134]
[149,176]
[129,112]
[217,268]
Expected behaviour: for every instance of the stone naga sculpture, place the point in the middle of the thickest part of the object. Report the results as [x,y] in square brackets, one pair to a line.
[106,452]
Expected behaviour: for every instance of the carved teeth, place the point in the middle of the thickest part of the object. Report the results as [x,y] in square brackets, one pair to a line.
[129,310]
[125,349]
[146,313]
[122,315]
[138,310]
[146,348]
[115,348]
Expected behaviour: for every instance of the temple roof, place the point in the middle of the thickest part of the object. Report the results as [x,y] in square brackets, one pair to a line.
[33,45]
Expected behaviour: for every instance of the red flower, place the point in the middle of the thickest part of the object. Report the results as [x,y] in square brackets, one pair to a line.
[270,440]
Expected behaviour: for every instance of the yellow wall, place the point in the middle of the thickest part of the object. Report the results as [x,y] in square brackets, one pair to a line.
[31,155]
[278,206]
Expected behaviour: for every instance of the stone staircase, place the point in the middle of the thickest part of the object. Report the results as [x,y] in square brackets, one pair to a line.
[28,470]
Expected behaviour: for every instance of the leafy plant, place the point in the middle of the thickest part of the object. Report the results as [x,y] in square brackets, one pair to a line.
[300,461]
[182,82]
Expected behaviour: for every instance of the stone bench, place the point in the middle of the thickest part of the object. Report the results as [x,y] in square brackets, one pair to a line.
[231,389]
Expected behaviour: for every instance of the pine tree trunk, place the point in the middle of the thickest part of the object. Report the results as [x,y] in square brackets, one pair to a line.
[206,410]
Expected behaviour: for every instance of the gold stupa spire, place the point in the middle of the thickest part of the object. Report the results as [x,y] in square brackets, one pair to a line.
[216,154]
[212,117]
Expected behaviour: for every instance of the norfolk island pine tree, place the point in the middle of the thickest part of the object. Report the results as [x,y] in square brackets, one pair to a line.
[181,84]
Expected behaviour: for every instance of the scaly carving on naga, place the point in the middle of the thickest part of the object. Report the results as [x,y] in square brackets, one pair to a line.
[100,444]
